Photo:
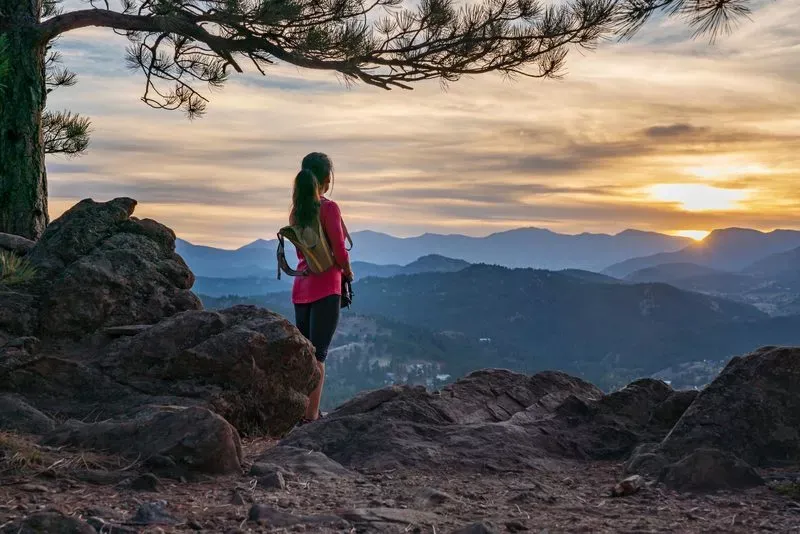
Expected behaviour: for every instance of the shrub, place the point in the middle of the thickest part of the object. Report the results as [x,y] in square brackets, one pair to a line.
[15,270]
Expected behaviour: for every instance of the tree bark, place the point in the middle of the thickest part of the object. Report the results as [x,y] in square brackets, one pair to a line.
[23,179]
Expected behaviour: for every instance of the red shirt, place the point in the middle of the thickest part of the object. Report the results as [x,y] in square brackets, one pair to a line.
[311,288]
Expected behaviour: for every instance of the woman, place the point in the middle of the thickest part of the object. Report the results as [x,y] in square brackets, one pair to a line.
[317,297]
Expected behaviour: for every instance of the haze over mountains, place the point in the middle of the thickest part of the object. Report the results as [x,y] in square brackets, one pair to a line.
[525,247]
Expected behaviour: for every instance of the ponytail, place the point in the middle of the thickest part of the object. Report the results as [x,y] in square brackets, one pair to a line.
[305,199]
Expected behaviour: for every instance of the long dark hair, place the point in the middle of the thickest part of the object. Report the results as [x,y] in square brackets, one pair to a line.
[316,173]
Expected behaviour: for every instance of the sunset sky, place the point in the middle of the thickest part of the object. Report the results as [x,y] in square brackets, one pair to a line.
[660,133]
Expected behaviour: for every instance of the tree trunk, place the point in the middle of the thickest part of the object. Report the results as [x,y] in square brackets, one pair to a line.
[23,180]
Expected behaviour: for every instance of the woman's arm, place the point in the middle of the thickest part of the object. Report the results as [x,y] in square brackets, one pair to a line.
[332,223]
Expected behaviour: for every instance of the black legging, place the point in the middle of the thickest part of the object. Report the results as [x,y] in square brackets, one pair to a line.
[317,322]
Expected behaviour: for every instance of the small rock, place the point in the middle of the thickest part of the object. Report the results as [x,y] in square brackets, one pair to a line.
[103,513]
[480,527]
[159,461]
[430,497]
[272,481]
[236,498]
[34,488]
[154,513]
[49,522]
[515,526]
[145,482]
[194,525]
[629,486]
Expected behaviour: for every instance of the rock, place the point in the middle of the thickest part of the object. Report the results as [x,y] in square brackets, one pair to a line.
[154,513]
[16,244]
[305,463]
[383,519]
[18,314]
[669,412]
[237,499]
[628,486]
[515,526]
[752,410]
[271,517]
[101,267]
[262,468]
[127,330]
[480,527]
[248,364]
[431,498]
[145,482]
[710,470]
[47,522]
[194,438]
[18,416]
[477,426]
[646,463]
[272,481]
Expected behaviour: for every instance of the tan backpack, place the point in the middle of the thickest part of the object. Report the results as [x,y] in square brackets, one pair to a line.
[313,244]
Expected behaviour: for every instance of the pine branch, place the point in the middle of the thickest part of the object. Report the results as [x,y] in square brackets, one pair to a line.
[65,133]
[178,44]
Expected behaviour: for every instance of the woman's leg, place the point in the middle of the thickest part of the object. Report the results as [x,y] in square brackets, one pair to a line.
[324,320]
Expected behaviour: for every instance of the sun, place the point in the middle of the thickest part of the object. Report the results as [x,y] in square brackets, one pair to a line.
[699,197]
[697,235]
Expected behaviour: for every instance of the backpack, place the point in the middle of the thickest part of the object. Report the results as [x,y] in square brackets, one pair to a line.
[312,242]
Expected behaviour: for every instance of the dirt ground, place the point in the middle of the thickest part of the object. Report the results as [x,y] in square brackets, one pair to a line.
[570,497]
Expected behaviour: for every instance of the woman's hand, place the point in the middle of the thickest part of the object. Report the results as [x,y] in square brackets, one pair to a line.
[348,274]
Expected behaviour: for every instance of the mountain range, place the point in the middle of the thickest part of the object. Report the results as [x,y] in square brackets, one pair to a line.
[525,247]
[731,249]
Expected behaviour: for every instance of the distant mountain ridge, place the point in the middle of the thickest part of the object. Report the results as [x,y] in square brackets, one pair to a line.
[730,249]
[262,285]
[524,247]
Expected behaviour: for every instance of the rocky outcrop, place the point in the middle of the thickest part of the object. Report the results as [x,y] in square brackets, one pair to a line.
[100,266]
[194,438]
[247,364]
[752,410]
[108,327]
[491,419]
[749,416]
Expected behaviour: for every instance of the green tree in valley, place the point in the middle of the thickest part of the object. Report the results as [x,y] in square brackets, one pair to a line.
[181,45]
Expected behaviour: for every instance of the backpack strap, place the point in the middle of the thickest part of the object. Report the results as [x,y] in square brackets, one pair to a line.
[283,265]
[347,236]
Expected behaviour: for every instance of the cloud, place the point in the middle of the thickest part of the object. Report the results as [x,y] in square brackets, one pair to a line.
[487,154]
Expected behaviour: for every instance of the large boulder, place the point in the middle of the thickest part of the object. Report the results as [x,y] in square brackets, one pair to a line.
[247,364]
[194,438]
[752,410]
[490,419]
[710,470]
[99,266]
